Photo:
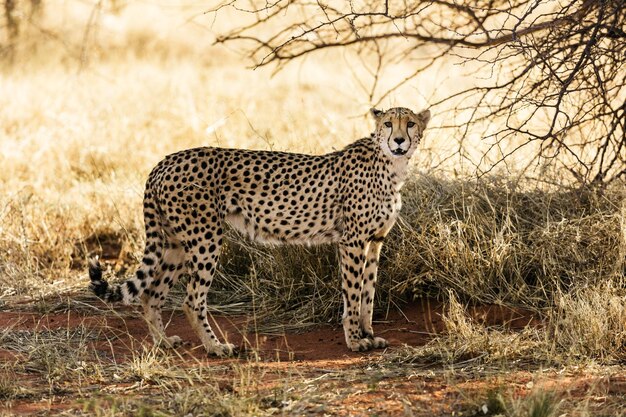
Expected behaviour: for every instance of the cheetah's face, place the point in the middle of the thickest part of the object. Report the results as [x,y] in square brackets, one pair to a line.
[399,130]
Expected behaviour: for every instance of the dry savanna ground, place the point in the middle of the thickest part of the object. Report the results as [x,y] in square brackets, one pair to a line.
[500,295]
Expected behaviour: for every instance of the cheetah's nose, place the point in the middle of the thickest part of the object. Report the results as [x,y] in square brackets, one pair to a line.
[399,140]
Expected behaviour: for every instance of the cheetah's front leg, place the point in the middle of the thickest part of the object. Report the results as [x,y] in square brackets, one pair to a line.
[367,294]
[352,267]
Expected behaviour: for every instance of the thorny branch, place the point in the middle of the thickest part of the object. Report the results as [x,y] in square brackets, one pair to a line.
[557,80]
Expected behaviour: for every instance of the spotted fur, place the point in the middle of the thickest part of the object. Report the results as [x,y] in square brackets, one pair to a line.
[351,197]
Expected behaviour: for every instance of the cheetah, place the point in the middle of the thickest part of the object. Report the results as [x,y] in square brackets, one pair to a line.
[351,197]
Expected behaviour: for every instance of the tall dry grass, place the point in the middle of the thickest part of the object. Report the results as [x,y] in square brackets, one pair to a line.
[495,240]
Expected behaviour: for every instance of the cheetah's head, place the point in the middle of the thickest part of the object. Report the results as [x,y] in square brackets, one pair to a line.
[399,130]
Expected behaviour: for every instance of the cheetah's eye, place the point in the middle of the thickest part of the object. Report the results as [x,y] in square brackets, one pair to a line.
[410,124]
[388,124]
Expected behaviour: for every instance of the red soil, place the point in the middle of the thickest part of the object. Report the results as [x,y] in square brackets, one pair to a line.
[414,325]
[315,351]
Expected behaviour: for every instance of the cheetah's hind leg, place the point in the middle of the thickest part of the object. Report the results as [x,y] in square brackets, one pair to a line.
[170,268]
[201,259]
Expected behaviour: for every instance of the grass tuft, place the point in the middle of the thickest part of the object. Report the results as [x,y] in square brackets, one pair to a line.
[466,342]
[539,403]
[590,323]
[8,388]
[57,355]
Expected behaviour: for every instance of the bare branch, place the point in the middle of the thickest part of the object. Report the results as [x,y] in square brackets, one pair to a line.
[555,83]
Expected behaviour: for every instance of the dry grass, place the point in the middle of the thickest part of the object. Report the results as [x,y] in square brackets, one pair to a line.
[466,343]
[495,240]
[537,404]
[82,126]
[590,323]
[585,328]
[78,146]
[62,363]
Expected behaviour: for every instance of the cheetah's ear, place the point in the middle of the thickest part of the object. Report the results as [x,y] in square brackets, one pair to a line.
[376,114]
[424,116]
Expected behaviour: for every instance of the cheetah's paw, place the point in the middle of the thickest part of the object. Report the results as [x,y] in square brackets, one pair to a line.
[379,343]
[361,345]
[223,350]
[173,342]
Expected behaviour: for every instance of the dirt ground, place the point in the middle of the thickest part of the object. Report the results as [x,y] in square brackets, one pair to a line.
[316,360]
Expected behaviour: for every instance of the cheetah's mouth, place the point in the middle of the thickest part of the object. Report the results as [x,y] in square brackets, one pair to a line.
[399,151]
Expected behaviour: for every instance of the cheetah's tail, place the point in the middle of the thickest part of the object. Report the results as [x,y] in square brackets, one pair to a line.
[101,288]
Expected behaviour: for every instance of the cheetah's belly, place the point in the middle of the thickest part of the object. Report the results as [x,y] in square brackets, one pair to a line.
[284,230]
